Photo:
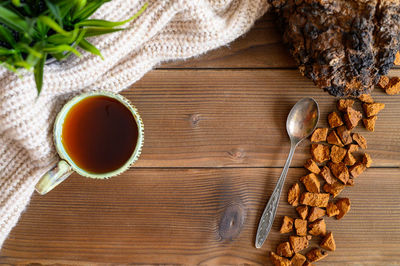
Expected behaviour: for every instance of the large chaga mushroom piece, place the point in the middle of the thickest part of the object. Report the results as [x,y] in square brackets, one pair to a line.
[344,46]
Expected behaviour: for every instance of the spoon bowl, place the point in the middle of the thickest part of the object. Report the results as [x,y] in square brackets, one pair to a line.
[302,119]
[301,122]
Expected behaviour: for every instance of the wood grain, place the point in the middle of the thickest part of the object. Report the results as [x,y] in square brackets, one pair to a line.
[215,143]
[175,216]
[236,118]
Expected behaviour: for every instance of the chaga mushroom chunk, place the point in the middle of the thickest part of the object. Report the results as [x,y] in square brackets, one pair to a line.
[299,243]
[287,225]
[302,211]
[331,209]
[319,135]
[327,175]
[343,206]
[317,228]
[351,118]
[294,195]
[342,104]
[340,171]
[315,214]
[328,242]
[334,120]
[278,260]
[311,183]
[314,199]
[315,255]
[298,259]
[372,109]
[284,250]
[311,166]
[343,46]
[320,152]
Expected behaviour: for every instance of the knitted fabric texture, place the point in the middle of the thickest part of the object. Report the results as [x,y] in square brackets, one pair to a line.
[167,30]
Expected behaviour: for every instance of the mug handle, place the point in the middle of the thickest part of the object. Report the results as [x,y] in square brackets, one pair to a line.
[53,177]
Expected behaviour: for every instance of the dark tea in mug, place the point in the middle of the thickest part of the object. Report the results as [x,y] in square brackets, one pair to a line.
[99,134]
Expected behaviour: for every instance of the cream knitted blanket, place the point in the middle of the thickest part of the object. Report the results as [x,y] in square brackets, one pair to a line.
[167,30]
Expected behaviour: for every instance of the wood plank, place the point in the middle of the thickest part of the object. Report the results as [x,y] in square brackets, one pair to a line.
[174,216]
[261,47]
[236,118]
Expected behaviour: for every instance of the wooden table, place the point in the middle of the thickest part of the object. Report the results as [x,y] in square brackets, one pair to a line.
[215,144]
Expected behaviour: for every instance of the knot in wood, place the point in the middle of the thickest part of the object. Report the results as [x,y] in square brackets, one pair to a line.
[232,221]
[194,119]
[237,154]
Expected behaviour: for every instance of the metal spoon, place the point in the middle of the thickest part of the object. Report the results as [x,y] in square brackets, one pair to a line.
[301,122]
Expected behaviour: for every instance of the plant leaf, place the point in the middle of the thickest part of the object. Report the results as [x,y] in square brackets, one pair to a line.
[55,11]
[38,73]
[6,35]
[12,20]
[111,24]
[16,2]
[28,49]
[88,10]
[60,49]
[100,31]
[87,46]
[52,24]
[5,51]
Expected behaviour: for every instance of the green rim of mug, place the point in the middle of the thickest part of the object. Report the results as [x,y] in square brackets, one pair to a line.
[57,134]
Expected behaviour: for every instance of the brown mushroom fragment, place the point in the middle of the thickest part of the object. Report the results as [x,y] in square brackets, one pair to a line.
[367,160]
[372,109]
[352,147]
[314,199]
[334,120]
[351,118]
[287,225]
[344,207]
[327,175]
[301,227]
[383,82]
[361,141]
[331,209]
[315,255]
[299,243]
[317,228]
[284,250]
[357,169]
[334,139]
[315,214]
[369,123]
[342,104]
[393,86]
[311,183]
[312,166]
[319,135]
[328,242]
[298,259]
[337,154]
[344,135]
[294,195]
[349,159]
[320,152]
[334,189]
[340,171]
[278,260]
[302,211]
[366,98]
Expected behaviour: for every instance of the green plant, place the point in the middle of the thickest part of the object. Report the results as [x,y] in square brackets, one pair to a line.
[32,31]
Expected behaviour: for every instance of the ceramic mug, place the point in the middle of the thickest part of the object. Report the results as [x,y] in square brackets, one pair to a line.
[66,166]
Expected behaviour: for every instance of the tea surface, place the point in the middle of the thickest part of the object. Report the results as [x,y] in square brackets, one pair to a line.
[99,134]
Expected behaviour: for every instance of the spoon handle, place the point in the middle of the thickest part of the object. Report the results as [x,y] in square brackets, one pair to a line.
[268,216]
